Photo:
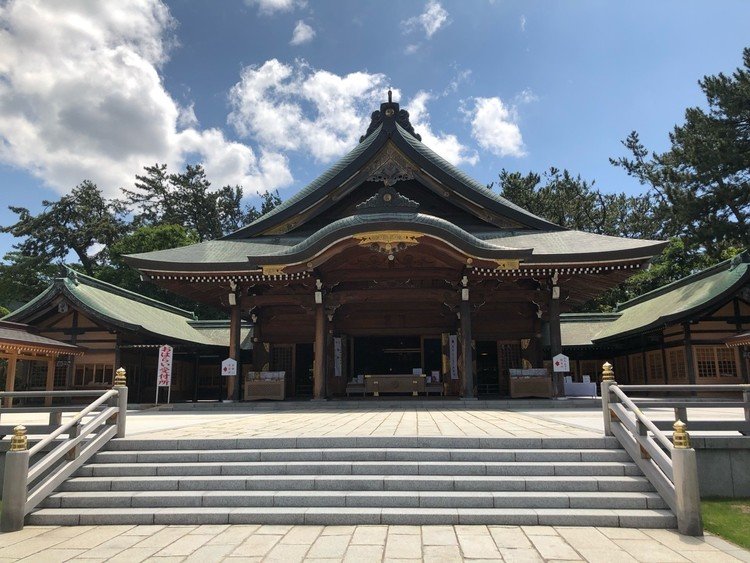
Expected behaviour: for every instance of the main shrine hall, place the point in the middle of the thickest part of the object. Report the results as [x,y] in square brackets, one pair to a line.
[396,264]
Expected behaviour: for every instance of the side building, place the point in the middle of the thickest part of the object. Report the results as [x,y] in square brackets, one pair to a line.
[107,327]
[692,331]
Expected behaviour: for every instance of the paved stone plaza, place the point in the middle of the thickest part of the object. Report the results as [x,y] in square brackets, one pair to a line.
[360,544]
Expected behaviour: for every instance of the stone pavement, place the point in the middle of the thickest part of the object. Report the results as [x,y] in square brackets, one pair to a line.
[361,544]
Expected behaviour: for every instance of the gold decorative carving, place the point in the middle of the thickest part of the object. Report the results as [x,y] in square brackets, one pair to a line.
[508,264]
[274,269]
[388,242]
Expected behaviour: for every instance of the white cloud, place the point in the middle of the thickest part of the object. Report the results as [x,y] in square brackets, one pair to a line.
[446,145]
[83,99]
[494,127]
[270,7]
[298,108]
[430,20]
[302,33]
[411,48]
[522,21]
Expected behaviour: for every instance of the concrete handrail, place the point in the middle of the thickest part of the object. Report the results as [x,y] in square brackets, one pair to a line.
[19,497]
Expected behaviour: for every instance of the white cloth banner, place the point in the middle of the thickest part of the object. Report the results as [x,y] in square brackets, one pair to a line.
[337,357]
[453,354]
[164,371]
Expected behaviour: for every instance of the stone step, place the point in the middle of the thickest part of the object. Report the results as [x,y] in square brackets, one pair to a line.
[360,454]
[391,442]
[359,468]
[361,482]
[644,518]
[372,499]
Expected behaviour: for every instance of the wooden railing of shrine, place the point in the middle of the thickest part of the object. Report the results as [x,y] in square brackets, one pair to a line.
[61,452]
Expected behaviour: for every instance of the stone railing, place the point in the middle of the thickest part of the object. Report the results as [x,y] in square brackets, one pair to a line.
[61,452]
[670,465]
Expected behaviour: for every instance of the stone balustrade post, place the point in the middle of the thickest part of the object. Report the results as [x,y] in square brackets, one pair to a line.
[15,482]
[608,379]
[122,401]
[687,490]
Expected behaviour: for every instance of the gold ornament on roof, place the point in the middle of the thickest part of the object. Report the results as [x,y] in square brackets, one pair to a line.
[388,242]
[508,264]
[274,269]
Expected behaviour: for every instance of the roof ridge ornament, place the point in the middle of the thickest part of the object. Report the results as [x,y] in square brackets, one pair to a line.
[390,114]
[387,200]
[390,167]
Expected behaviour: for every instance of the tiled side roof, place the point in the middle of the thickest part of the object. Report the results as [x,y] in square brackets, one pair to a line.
[681,299]
[579,329]
[24,336]
[120,307]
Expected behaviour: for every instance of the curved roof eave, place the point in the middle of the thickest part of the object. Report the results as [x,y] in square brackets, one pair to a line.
[427,224]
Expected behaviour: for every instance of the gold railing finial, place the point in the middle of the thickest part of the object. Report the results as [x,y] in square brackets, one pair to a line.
[120,379]
[607,373]
[680,438]
[19,442]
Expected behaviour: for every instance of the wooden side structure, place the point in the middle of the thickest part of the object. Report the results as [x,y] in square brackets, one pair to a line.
[687,332]
[106,327]
[30,358]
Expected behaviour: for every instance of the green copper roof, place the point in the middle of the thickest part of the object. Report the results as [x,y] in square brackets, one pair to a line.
[579,329]
[316,184]
[120,307]
[679,300]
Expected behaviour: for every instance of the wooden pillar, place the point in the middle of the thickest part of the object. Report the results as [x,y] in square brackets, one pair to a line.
[10,377]
[738,328]
[665,375]
[555,336]
[467,363]
[319,353]
[644,359]
[235,339]
[689,360]
[195,376]
[50,383]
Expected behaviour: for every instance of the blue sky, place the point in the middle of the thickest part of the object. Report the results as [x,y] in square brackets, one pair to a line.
[268,93]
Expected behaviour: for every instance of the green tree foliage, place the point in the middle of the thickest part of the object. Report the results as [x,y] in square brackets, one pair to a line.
[186,199]
[24,277]
[167,211]
[83,223]
[574,203]
[704,177]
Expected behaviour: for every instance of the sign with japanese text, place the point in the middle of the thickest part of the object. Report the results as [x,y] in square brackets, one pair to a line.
[453,354]
[164,370]
[338,354]
[229,367]
[561,362]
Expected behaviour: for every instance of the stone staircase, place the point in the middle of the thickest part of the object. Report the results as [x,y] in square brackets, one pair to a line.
[369,480]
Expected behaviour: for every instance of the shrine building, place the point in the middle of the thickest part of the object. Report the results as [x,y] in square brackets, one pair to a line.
[396,263]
